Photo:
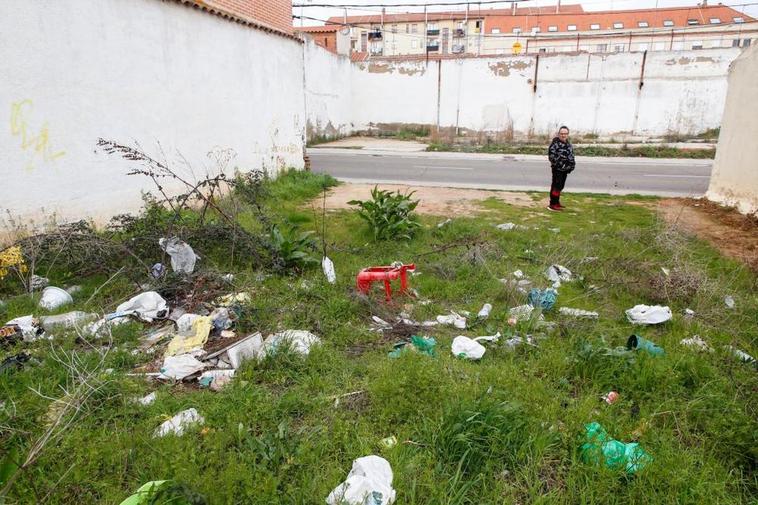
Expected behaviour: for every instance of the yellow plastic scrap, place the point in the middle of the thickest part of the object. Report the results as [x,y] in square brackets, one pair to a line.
[182,344]
[232,299]
[11,258]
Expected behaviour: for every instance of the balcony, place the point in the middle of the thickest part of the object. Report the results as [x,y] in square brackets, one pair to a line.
[375,35]
[376,51]
[459,32]
[458,48]
[435,46]
[433,31]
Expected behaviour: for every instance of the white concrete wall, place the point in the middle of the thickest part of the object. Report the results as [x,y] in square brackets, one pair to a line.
[327,92]
[683,92]
[734,179]
[142,71]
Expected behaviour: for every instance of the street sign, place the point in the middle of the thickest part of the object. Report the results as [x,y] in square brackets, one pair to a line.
[517,47]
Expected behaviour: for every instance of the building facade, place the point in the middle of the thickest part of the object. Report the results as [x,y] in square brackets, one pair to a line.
[559,28]
[330,37]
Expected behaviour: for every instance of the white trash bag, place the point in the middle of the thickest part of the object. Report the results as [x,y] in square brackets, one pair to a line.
[178,423]
[648,314]
[454,319]
[578,313]
[53,297]
[328,267]
[368,483]
[179,367]
[183,258]
[558,273]
[464,347]
[147,306]
[300,341]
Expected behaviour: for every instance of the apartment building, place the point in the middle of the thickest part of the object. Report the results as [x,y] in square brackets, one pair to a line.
[546,29]
[331,37]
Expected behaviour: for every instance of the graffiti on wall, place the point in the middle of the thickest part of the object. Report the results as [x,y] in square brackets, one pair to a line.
[35,142]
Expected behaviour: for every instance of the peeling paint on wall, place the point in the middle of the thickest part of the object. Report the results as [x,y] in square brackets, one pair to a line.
[402,68]
[685,60]
[503,68]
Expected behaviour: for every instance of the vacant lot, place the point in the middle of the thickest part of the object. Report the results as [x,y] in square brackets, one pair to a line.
[504,429]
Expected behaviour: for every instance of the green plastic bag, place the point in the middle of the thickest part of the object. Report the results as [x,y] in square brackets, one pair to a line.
[600,448]
[424,345]
[164,492]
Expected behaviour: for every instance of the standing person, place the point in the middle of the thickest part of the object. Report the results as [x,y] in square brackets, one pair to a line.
[561,156]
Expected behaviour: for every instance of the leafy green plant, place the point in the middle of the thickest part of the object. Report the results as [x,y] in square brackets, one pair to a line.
[389,215]
[292,249]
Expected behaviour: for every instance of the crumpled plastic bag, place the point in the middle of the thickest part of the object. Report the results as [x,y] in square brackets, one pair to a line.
[695,342]
[179,367]
[195,338]
[454,319]
[648,314]
[368,483]
[558,273]
[464,347]
[579,313]
[183,258]
[179,423]
[614,454]
[542,298]
[146,306]
[53,297]
[328,267]
[300,341]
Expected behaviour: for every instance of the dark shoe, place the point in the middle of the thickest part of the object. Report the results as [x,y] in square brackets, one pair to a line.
[554,208]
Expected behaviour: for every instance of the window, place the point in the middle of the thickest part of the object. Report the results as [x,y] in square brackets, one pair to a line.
[407,28]
[552,28]
[517,30]
[543,50]
[571,28]
[601,48]
[394,28]
[643,24]
[414,44]
[693,22]
[715,21]
[535,30]
[736,43]
[594,26]
[739,19]
[414,28]
[746,43]
[495,30]
[697,44]
[432,26]
[619,48]
[618,25]
[668,22]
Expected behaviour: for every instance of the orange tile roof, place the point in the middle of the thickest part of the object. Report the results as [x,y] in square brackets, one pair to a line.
[629,19]
[318,29]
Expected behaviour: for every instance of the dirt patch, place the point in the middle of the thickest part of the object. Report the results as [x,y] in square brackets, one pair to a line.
[735,235]
[434,201]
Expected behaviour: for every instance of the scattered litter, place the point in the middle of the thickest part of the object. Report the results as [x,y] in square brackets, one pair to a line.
[94,329]
[689,313]
[328,267]
[648,314]
[696,342]
[580,313]
[636,343]
[179,423]
[464,347]
[37,282]
[384,274]
[29,326]
[558,274]
[10,335]
[368,483]
[222,319]
[554,230]
[520,285]
[589,259]
[514,342]
[158,270]
[389,442]
[518,274]
[183,258]
[299,341]
[194,339]
[147,400]
[729,302]
[423,345]
[72,290]
[180,367]
[742,355]
[507,226]
[666,271]
[444,223]
[599,447]
[454,319]
[146,306]
[72,319]
[522,313]
[241,298]
[611,397]
[216,379]
[247,348]
[17,361]
[485,312]
[228,278]
[53,297]
[542,299]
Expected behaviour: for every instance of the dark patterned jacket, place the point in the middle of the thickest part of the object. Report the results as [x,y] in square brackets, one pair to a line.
[561,155]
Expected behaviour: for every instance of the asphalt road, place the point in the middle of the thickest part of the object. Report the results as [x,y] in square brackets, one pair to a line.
[645,176]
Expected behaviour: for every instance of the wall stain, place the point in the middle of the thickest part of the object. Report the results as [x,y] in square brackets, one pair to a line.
[390,68]
[37,145]
[686,60]
[503,68]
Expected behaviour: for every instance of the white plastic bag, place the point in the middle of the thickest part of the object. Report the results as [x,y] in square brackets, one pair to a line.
[179,423]
[454,319]
[147,306]
[558,273]
[485,312]
[368,483]
[179,367]
[648,314]
[464,347]
[183,258]
[328,267]
[299,341]
[147,400]
[53,297]
[579,313]
[695,342]
[251,347]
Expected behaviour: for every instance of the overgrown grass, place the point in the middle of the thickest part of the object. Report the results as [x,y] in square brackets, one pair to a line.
[641,151]
[503,430]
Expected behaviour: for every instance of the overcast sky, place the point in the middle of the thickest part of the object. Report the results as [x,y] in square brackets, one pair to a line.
[589,5]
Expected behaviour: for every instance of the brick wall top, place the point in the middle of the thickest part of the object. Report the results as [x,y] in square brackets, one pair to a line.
[275,14]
